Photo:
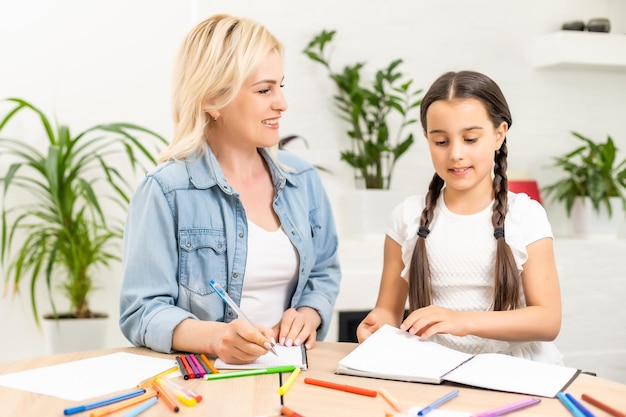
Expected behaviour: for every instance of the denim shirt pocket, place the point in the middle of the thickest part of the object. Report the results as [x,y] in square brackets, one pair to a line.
[202,257]
[315,221]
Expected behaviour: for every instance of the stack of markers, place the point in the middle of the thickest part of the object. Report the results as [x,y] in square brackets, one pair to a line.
[195,366]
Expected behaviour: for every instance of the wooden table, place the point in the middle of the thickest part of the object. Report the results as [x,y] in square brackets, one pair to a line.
[257,395]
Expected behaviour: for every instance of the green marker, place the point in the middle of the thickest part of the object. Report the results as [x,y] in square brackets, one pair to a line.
[250,372]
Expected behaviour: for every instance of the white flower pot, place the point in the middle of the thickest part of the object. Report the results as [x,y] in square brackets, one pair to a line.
[590,224]
[73,335]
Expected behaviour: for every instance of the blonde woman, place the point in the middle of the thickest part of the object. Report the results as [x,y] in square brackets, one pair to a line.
[225,204]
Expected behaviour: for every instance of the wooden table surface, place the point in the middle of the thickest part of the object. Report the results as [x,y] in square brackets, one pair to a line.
[257,395]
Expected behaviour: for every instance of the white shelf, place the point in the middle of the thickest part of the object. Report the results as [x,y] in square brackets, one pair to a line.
[573,49]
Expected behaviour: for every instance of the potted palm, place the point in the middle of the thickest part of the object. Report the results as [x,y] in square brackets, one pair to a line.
[54,224]
[593,189]
[370,111]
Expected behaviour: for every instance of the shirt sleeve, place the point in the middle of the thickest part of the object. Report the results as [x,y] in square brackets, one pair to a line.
[403,225]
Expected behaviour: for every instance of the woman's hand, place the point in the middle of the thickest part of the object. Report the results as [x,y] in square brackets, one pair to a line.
[297,327]
[427,321]
[238,342]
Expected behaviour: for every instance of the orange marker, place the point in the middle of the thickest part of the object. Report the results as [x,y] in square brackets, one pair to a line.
[288,412]
[187,391]
[341,387]
[396,406]
[123,404]
[169,401]
[188,368]
[612,411]
[209,364]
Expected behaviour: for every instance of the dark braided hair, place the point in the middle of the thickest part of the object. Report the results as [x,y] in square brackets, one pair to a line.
[454,85]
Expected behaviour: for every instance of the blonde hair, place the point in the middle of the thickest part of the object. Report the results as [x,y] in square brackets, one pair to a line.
[215,59]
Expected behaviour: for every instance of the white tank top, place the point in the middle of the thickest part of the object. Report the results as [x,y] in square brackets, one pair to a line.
[271,275]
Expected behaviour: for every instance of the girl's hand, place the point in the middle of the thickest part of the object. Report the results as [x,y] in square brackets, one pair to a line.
[427,321]
[297,327]
[238,342]
[368,326]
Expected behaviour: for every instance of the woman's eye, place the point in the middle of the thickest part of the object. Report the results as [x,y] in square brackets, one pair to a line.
[471,140]
[264,91]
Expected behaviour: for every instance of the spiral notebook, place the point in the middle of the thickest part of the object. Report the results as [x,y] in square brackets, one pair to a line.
[391,353]
[287,355]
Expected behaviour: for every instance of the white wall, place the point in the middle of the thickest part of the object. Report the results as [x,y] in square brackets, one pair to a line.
[92,62]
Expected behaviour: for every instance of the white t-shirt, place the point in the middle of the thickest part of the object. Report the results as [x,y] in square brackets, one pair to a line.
[271,275]
[461,253]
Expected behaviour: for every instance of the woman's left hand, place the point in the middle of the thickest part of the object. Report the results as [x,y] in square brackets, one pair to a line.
[297,327]
[427,321]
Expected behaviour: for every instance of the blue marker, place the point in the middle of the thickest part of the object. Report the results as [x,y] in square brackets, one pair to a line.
[81,408]
[141,408]
[578,405]
[569,405]
[438,402]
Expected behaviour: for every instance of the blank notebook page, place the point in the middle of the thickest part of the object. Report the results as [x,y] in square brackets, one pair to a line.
[293,355]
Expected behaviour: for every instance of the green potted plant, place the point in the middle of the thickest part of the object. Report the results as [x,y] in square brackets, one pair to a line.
[54,224]
[370,111]
[594,185]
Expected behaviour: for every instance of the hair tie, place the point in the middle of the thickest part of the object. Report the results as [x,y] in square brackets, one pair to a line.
[423,232]
[498,233]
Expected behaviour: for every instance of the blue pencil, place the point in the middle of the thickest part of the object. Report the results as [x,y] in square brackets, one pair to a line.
[141,408]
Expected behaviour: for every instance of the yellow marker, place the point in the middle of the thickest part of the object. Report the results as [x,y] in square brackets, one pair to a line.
[283,389]
[180,395]
[148,381]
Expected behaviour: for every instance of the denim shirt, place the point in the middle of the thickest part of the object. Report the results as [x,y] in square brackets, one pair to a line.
[186,226]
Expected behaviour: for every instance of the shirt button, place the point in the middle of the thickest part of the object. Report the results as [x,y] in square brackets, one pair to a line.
[230,314]
[219,246]
[188,244]
[240,234]
[235,275]
[293,232]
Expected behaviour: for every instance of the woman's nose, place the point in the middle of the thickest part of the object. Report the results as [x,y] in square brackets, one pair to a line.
[280,103]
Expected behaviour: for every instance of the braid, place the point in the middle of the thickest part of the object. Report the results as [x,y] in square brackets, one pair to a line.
[507,282]
[420,292]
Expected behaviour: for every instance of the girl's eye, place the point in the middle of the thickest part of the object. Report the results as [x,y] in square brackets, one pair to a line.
[471,140]
[264,91]
[440,142]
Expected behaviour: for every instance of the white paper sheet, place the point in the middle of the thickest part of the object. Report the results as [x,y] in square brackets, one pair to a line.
[287,355]
[88,378]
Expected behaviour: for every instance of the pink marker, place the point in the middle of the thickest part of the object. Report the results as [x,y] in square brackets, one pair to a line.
[509,408]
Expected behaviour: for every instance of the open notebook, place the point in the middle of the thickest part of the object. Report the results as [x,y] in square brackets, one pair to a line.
[293,355]
[391,353]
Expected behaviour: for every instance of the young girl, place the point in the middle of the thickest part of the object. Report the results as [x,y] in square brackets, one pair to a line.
[475,260]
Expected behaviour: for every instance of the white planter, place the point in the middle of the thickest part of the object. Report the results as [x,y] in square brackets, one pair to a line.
[73,335]
[590,224]
[367,211]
